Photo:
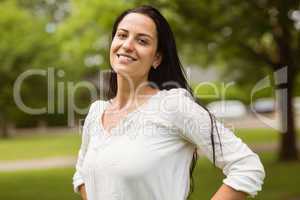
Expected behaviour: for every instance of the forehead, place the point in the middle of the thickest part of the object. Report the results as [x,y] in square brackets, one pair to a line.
[139,23]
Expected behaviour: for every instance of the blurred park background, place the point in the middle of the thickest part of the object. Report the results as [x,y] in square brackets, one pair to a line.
[242,58]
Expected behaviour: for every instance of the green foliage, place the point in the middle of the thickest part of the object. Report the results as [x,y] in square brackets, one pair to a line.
[85,35]
[236,35]
[242,37]
[24,45]
[37,34]
[248,40]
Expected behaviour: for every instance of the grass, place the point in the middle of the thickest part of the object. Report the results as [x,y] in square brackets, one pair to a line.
[39,146]
[67,144]
[277,186]
[258,135]
[51,184]
[281,183]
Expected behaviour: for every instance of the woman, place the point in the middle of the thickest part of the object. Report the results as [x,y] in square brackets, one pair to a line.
[140,144]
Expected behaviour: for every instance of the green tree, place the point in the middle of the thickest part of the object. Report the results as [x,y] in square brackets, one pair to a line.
[84,36]
[249,39]
[24,44]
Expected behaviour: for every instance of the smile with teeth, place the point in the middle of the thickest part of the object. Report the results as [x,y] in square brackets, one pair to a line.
[126,57]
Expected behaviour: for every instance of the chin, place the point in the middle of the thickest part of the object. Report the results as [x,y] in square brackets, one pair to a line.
[123,70]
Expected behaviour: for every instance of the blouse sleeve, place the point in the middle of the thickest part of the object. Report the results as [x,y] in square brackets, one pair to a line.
[241,166]
[77,177]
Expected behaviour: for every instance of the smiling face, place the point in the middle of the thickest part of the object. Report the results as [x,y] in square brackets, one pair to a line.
[134,47]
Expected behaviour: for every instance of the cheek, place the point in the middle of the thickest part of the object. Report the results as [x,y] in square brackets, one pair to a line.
[111,56]
[148,57]
[112,50]
[113,47]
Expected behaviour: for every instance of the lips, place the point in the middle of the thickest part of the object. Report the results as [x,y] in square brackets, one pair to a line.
[126,57]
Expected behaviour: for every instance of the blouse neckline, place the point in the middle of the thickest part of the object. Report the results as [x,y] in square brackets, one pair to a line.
[122,121]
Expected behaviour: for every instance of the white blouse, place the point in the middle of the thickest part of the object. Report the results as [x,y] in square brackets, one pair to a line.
[148,154]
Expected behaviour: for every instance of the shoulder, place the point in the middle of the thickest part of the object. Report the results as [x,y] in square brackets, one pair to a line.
[94,110]
[174,100]
[180,100]
[96,107]
[97,104]
[178,92]
[177,96]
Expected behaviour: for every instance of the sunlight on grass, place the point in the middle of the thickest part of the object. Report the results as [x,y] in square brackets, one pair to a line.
[67,144]
[258,135]
[49,184]
[40,146]
[280,183]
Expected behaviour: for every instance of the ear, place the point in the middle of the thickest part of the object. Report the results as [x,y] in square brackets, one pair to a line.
[157,60]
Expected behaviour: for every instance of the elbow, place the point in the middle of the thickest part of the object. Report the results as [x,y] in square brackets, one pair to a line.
[247,177]
[257,172]
[261,172]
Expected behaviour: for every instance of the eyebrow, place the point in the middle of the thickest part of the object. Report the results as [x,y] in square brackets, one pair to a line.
[141,34]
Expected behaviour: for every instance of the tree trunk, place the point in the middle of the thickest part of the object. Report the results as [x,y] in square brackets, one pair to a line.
[288,146]
[4,133]
[284,38]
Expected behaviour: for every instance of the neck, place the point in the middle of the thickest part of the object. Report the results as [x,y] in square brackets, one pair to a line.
[129,90]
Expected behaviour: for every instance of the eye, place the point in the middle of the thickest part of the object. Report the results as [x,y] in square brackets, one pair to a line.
[121,35]
[142,41]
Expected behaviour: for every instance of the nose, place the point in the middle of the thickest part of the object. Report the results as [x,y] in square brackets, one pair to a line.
[128,44]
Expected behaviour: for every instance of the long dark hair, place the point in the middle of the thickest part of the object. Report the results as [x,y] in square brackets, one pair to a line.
[170,69]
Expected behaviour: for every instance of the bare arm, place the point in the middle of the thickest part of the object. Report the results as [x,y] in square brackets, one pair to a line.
[226,192]
[82,191]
